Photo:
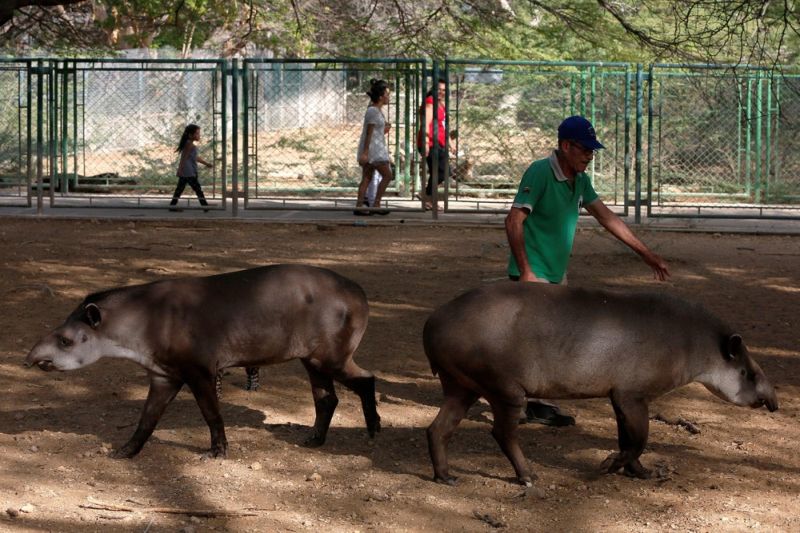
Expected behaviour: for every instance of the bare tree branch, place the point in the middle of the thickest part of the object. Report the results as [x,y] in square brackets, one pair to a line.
[8,7]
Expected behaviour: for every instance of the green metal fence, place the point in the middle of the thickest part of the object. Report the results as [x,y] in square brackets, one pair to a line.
[301,124]
[722,138]
[115,123]
[506,114]
[682,140]
[16,134]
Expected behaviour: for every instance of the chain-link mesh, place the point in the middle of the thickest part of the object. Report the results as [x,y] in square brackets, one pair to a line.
[304,121]
[723,137]
[715,136]
[783,171]
[119,124]
[700,129]
[506,115]
[15,128]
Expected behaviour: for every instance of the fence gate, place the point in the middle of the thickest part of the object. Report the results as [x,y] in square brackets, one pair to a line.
[115,125]
[302,122]
[503,115]
[17,114]
[722,142]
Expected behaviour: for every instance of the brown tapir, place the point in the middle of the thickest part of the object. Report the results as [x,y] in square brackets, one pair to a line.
[186,330]
[509,341]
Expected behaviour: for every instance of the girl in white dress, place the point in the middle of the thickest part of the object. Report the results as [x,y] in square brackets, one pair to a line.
[372,152]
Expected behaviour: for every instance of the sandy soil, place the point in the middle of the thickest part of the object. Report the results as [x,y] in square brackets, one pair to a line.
[740,472]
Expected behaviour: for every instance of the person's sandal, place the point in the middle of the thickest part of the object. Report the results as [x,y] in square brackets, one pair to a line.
[546,415]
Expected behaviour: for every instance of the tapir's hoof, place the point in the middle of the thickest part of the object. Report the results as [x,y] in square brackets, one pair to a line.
[611,464]
[126,452]
[635,469]
[374,428]
[446,480]
[314,441]
[527,480]
[219,451]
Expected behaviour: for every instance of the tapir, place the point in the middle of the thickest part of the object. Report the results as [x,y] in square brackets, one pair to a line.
[186,330]
[510,341]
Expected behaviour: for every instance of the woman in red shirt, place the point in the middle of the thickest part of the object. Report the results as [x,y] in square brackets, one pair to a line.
[442,144]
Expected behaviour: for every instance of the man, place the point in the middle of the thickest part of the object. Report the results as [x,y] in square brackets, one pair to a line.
[541,224]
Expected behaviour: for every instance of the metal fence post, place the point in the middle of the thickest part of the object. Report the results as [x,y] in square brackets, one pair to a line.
[748,133]
[626,165]
[650,113]
[223,66]
[235,137]
[446,136]
[433,179]
[759,121]
[39,138]
[768,140]
[637,200]
[246,131]
[29,138]
[52,128]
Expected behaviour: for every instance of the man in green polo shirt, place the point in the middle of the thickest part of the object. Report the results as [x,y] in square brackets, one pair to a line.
[541,224]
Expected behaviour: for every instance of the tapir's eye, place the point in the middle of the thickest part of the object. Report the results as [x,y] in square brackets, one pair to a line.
[743,372]
[64,342]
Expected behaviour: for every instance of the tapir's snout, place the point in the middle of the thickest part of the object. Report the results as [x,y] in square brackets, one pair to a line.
[39,357]
[771,402]
[766,393]
[43,363]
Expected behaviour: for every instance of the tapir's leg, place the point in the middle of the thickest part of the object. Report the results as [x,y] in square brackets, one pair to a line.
[252,377]
[162,391]
[218,384]
[457,401]
[325,402]
[506,432]
[362,383]
[632,430]
[202,383]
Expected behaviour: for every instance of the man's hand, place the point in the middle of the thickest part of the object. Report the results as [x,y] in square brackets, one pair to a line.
[363,159]
[659,266]
[531,277]
[621,231]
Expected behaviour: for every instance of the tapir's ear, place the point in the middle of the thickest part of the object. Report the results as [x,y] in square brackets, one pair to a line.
[733,347]
[93,317]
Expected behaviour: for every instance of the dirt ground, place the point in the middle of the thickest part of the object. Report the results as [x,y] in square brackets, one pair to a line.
[740,472]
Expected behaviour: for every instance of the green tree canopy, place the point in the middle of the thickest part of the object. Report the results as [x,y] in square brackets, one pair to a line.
[735,31]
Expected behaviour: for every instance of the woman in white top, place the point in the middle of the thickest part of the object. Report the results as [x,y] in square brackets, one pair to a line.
[372,153]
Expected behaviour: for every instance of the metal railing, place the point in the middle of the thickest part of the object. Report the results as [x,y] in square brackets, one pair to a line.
[505,114]
[681,140]
[16,133]
[722,137]
[301,124]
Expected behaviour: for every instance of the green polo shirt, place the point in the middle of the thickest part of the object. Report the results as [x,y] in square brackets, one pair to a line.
[553,206]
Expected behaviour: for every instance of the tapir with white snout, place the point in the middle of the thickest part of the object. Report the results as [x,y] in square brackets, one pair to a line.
[186,330]
[509,341]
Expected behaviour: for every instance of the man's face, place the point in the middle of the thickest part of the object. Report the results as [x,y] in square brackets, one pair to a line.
[576,156]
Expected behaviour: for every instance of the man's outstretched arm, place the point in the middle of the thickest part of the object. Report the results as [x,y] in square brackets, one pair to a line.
[617,227]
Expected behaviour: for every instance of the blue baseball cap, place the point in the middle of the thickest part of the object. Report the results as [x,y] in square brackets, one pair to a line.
[580,130]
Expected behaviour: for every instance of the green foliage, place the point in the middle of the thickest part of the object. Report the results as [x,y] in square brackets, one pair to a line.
[750,31]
